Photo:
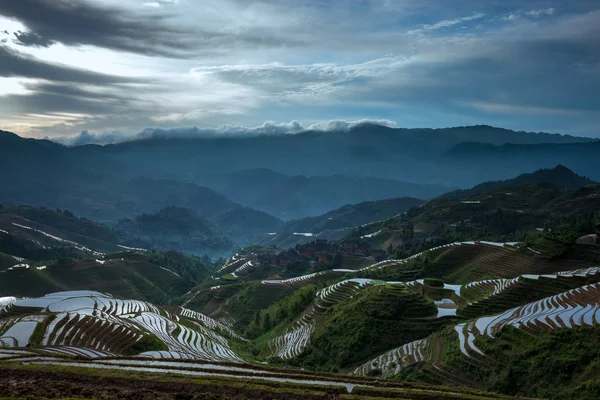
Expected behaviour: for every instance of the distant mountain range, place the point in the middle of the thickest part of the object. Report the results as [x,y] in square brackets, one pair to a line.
[295,197]
[248,186]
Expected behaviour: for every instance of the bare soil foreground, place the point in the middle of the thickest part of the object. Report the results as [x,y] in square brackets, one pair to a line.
[43,383]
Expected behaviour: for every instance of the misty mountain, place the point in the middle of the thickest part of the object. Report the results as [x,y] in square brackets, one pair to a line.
[287,176]
[178,228]
[352,215]
[294,197]
[560,176]
[248,224]
[337,223]
[409,155]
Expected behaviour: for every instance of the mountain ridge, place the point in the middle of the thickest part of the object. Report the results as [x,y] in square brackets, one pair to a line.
[560,176]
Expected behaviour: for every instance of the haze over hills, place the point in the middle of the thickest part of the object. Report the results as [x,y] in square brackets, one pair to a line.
[294,197]
[248,176]
[410,155]
[317,171]
[337,223]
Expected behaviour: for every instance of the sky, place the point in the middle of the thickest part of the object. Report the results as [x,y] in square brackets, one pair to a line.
[86,69]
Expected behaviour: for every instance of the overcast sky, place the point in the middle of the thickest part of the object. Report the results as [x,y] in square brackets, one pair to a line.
[68,66]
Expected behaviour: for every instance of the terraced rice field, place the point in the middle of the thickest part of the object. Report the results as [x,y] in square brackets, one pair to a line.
[502,294]
[232,264]
[574,308]
[295,340]
[241,270]
[91,324]
[6,303]
[392,362]
[199,343]
[291,281]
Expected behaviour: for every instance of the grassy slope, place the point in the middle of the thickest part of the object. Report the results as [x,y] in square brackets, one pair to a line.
[379,319]
[560,364]
[124,278]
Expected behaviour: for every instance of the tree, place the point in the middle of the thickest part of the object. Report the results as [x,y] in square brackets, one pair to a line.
[266,323]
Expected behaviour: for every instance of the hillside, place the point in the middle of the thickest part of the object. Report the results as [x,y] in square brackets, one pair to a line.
[70,336]
[178,228]
[337,223]
[502,214]
[353,215]
[157,277]
[560,176]
[49,227]
[422,318]
[248,224]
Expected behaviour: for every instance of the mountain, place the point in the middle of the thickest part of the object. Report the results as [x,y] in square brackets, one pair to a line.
[337,223]
[293,197]
[501,161]
[560,176]
[248,224]
[178,228]
[153,194]
[498,214]
[47,227]
[287,176]
[367,151]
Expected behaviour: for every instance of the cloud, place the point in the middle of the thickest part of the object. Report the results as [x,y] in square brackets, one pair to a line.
[15,63]
[76,23]
[32,39]
[446,23]
[540,12]
[267,128]
[205,69]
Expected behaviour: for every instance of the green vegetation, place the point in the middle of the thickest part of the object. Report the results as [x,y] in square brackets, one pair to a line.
[433,282]
[64,221]
[30,250]
[38,334]
[190,268]
[253,298]
[560,364]
[131,276]
[284,311]
[389,316]
[178,228]
[148,342]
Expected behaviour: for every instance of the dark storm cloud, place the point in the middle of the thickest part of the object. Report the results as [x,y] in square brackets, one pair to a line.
[80,23]
[32,39]
[16,64]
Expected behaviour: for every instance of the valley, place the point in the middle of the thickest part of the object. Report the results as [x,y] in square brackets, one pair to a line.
[453,296]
